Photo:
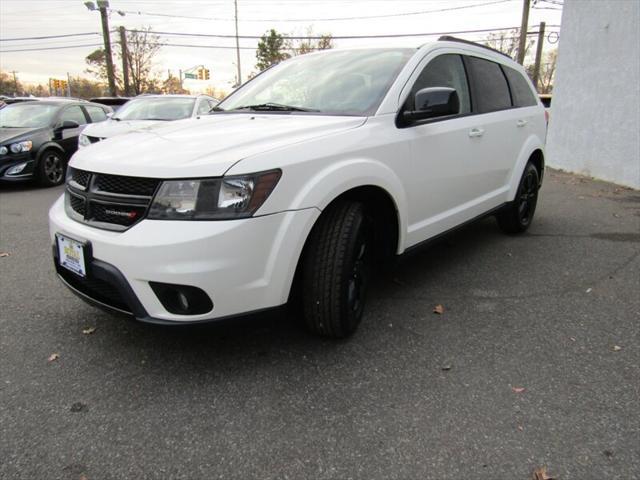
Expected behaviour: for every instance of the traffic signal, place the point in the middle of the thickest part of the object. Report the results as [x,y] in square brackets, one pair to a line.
[206,74]
[56,83]
[201,74]
[63,84]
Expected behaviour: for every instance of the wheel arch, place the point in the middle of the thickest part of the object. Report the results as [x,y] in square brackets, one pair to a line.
[533,150]
[366,180]
[50,146]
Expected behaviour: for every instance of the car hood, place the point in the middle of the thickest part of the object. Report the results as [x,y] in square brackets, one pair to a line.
[204,146]
[111,128]
[9,134]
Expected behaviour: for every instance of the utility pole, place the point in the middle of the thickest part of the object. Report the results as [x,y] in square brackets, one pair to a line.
[536,68]
[102,6]
[125,60]
[68,85]
[523,31]
[235,4]
[15,83]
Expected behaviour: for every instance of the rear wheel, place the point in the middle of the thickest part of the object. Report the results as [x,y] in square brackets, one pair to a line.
[517,215]
[51,169]
[336,270]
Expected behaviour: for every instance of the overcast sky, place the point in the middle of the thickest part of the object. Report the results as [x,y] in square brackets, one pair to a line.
[30,18]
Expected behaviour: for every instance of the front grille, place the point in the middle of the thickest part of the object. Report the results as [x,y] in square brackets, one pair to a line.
[77,204]
[80,177]
[126,185]
[112,202]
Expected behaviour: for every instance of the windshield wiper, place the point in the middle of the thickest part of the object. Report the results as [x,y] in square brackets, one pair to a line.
[274,107]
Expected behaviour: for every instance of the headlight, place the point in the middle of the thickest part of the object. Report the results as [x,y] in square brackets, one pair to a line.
[83,141]
[213,199]
[21,146]
[3,150]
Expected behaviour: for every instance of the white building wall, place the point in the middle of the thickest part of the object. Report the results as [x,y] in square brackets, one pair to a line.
[595,111]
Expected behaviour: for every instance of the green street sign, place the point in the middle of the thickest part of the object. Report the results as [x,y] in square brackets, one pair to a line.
[190,75]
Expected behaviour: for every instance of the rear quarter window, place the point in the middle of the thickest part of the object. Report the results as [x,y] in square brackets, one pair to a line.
[521,92]
[489,85]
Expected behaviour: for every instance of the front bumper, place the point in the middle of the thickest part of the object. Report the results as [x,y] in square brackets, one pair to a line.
[242,265]
[9,161]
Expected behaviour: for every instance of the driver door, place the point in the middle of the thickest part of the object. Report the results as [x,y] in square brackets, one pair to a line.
[445,159]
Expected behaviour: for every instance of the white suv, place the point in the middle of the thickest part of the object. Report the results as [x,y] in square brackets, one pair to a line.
[146,111]
[307,176]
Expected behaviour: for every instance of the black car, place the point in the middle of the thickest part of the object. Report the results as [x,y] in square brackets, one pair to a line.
[37,138]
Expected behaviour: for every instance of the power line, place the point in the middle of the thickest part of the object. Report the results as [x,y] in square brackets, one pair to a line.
[221,47]
[52,48]
[336,37]
[49,36]
[362,17]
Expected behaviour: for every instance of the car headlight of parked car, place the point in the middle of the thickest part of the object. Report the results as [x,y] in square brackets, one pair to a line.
[83,141]
[4,150]
[213,198]
[20,147]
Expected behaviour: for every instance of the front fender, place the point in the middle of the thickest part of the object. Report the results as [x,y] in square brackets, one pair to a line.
[532,144]
[327,184]
[49,146]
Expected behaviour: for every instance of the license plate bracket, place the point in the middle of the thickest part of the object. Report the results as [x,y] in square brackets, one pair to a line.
[72,254]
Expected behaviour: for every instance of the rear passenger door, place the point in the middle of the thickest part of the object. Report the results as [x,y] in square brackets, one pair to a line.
[497,125]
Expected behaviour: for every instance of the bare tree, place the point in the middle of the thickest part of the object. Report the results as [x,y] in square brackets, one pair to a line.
[506,41]
[142,47]
[307,45]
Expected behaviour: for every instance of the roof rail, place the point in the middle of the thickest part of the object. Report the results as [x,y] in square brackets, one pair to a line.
[448,38]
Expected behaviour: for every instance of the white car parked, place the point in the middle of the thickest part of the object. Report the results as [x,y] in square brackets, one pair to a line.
[308,176]
[145,111]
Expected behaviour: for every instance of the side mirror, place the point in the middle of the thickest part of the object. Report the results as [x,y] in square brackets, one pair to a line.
[68,124]
[434,102]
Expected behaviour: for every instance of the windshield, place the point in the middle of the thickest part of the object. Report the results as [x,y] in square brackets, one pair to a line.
[27,115]
[349,82]
[156,108]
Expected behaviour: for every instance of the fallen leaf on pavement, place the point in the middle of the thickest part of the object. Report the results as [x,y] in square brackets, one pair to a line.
[518,389]
[4,254]
[89,331]
[439,309]
[617,348]
[53,357]
[589,290]
[446,368]
[540,473]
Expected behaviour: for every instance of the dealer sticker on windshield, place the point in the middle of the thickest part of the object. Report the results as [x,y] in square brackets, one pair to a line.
[71,255]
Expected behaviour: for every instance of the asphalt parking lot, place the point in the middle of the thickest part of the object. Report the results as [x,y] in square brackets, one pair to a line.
[534,362]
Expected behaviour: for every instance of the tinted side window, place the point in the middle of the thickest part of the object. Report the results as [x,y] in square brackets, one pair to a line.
[444,71]
[96,114]
[520,89]
[491,91]
[75,114]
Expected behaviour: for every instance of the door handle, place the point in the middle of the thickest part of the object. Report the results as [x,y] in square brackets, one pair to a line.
[521,123]
[476,132]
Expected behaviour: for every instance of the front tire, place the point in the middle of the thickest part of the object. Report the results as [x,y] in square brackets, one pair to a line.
[517,215]
[336,270]
[51,169]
